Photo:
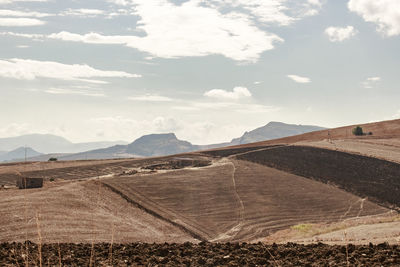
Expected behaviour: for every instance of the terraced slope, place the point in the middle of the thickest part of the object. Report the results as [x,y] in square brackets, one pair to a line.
[237,200]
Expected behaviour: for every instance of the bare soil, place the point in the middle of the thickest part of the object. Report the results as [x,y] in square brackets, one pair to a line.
[238,200]
[371,178]
[203,254]
[266,191]
[79,212]
[386,149]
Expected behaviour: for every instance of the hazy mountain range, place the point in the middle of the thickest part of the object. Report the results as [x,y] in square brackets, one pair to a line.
[48,143]
[19,153]
[145,146]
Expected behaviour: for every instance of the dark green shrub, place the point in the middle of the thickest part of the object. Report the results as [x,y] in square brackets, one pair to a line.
[358,131]
[52,159]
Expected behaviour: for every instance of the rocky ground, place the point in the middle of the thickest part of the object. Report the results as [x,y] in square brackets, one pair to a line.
[202,254]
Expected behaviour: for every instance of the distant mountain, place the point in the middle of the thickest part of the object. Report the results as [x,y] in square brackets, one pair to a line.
[169,144]
[48,143]
[274,130]
[19,154]
[159,145]
[145,146]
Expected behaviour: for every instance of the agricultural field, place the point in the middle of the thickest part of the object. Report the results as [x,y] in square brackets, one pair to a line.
[300,192]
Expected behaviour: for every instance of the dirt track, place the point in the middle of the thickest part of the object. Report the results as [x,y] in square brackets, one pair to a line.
[203,254]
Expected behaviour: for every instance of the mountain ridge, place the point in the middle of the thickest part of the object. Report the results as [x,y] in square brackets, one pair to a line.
[168,144]
[49,143]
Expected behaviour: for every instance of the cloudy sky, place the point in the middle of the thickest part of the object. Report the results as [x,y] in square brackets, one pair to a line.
[207,70]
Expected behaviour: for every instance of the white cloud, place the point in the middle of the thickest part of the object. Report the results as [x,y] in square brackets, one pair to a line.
[201,28]
[14,1]
[23,46]
[189,29]
[299,79]
[114,126]
[26,69]
[67,91]
[20,22]
[24,35]
[82,12]
[371,82]
[338,34]
[396,115]
[15,13]
[237,93]
[315,2]
[384,13]
[151,98]
[14,129]
[278,12]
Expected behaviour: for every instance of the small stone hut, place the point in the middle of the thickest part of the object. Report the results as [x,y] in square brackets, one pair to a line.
[28,182]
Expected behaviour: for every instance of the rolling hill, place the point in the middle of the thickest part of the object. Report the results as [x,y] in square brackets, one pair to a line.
[19,154]
[47,143]
[252,192]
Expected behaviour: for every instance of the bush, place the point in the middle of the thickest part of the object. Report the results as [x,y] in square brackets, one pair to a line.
[52,159]
[52,179]
[358,131]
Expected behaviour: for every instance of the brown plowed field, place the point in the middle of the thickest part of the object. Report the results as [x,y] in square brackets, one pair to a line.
[79,169]
[386,149]
[248,193]
[203,254]
[380,130]
[79,212]
[238,200]
[375,179]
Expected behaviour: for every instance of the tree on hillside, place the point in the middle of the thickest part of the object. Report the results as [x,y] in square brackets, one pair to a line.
[358,131]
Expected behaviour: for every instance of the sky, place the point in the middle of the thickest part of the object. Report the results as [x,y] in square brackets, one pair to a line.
[207,70]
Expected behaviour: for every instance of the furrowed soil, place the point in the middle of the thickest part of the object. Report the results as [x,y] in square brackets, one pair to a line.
[236,200]
[203,254]
[371,178]
[79,212]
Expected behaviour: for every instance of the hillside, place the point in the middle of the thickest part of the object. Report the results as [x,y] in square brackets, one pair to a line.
[168,144]
[47,143]
[384,130]
[159,145]
[269,192]
[19,154]
[274,130]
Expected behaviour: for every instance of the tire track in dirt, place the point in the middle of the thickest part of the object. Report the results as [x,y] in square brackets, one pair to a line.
[231,233]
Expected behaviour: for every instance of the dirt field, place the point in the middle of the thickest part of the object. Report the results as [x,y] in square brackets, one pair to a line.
[203,254]
[240,201]
[386,149]
[75,170]
[366,177]
[269,192]
[79,212]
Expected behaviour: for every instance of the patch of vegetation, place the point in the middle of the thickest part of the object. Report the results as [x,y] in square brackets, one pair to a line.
[304,227]
[358,131]
[53,159]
